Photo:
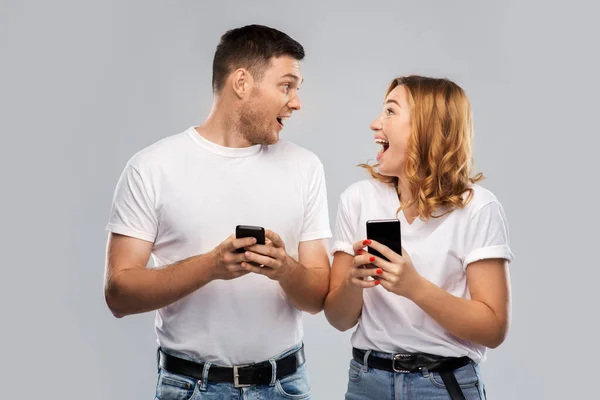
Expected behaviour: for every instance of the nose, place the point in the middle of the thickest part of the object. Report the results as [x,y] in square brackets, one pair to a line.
[376,124]
[295,103]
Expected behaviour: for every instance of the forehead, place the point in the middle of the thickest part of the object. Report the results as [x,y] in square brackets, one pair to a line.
[284,65]
[398,94]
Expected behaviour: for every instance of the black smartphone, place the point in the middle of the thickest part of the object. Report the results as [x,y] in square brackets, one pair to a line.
[386,232]
[242,231]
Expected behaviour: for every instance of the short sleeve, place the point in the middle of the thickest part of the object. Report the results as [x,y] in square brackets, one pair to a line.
[345,228]
[316,216]
[132,212]
[487,235]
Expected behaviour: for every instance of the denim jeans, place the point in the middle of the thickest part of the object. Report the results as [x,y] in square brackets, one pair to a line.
[369,383]
[172,386]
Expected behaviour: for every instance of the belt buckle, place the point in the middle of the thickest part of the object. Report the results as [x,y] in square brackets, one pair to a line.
[236,376]
[396,358]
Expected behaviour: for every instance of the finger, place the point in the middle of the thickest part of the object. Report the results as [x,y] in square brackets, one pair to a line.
[365,284]
[363,272]
[241,242]
[360,244]
[385,266]
[235,267]
[364,259]
[384,250]
[257,270]
[273,237]
[262,260]
[269,251]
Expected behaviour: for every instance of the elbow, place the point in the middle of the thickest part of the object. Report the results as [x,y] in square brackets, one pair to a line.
[338,321]
[339,324]
[498,338]
[112,299]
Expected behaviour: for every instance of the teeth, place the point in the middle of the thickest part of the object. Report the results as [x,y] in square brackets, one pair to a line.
[381,141]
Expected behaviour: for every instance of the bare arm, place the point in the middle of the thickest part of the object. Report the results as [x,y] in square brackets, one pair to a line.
[305,281]
[484,319]
[344,302]
[131,288]
[308,282]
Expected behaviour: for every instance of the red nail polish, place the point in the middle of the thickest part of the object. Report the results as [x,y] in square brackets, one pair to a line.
[367,242]
[372,259]
[379,271]
[359,252]
[377,283]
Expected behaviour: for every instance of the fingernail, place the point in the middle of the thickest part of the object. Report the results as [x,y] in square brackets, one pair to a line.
[372,259]
[379,271]
[367,242]
[359,252]
[377,282]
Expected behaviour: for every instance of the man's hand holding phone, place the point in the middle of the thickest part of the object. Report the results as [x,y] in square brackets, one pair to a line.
[227,260]
[269,259]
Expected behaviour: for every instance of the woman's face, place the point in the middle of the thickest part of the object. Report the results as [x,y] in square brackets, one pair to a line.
[392,131]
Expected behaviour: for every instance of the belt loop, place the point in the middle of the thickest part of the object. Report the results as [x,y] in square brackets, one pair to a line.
[274,372]
[158,359]
[204,382]
[425,372]
[365,360]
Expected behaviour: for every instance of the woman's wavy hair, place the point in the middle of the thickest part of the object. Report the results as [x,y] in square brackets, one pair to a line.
[439,157]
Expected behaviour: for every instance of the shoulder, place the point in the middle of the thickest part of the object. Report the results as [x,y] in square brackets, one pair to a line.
[160,151]
[364,189]
[480,198]
[295,153]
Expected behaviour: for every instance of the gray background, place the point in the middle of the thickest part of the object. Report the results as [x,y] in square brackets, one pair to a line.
[84,85]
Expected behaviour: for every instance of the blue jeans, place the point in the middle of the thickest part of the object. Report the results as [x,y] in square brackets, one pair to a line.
[369,383]
[179,387]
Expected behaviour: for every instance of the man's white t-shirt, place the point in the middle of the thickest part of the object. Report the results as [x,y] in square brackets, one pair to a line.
[186,195]
[441,249]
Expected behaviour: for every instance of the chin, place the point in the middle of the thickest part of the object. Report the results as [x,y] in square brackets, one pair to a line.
[385,171]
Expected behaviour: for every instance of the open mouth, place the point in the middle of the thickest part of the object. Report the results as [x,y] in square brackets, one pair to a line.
[384,144]
[280,121]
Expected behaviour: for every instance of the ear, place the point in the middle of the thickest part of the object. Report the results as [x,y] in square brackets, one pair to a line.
[241,82]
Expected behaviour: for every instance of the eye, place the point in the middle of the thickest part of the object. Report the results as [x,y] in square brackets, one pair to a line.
[286,87]
[389,111]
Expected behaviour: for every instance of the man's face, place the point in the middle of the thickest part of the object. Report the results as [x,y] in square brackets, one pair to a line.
[272,100]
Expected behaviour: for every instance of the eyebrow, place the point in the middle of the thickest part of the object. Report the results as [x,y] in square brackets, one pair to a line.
[393,101]
[294,77]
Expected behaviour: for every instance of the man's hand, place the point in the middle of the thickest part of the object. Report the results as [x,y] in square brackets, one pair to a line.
[228,263]
[276,263]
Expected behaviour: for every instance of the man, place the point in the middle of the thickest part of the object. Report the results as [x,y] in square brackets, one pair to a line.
[228,324]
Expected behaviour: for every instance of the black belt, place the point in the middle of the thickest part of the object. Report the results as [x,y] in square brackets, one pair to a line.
[239,375]
[407,363]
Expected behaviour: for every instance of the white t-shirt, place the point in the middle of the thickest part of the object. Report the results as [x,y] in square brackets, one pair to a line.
[441,249]
[186,195]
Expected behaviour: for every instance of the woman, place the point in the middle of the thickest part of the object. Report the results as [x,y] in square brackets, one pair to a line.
[426,316]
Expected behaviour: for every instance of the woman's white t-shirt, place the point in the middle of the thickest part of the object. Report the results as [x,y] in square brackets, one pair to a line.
[441,249]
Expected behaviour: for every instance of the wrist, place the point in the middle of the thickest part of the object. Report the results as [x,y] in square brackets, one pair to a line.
[207,263]
[290,267]
[417,289]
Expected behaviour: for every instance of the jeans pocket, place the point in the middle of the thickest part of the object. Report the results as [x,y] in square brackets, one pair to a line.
[175,387]
[295,386]
[355,371]
[466,377]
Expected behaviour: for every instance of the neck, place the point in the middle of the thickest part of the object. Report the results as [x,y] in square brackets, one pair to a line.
[405,196]
[221,126]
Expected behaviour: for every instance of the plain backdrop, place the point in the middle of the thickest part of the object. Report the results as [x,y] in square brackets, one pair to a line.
[86,84]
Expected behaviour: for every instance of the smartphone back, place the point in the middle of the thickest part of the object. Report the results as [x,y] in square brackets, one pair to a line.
[386,232]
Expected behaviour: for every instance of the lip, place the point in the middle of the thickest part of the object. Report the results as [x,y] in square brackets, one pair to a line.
[282,118]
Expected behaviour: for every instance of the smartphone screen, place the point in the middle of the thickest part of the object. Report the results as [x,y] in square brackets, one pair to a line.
[386,232]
